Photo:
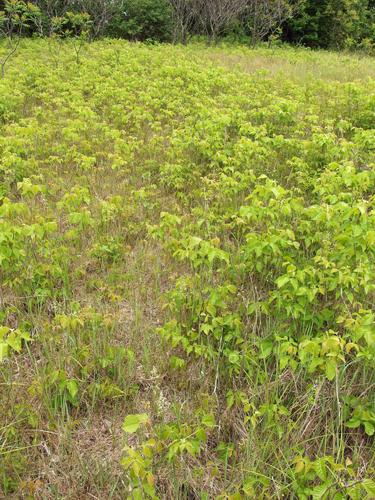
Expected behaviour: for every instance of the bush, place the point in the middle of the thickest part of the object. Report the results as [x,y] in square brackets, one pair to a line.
[334,24]
[142,20]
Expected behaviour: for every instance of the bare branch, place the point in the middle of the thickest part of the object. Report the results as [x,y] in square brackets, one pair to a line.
[265,16]
[217,15]
[185,15]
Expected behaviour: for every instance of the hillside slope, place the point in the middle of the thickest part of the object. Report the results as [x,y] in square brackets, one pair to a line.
[187,250]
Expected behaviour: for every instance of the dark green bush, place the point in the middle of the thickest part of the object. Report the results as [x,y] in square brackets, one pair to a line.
[333,24]
[142,20]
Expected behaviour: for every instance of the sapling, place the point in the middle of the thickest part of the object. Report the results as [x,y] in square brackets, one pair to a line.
[79,30]
[16,17]
[75,26]
[55,38]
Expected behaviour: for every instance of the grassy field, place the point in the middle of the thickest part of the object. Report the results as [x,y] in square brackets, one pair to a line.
[187,250]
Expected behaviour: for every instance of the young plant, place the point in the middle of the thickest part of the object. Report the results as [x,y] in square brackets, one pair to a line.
[16,17]
[165,444]
[80,26]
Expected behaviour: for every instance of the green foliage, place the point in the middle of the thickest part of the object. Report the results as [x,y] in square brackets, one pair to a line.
[73,24]
[186,247]
[168,444]
[133,422]
[142,20]
[333,24]
[324,478]
[361,415]
[209,330]
[15,19]
[11,340]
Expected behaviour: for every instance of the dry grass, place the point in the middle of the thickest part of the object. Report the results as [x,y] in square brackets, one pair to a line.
[302,66]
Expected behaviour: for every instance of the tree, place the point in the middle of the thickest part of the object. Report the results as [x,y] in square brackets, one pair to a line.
[217,15]
[101,12]
[332,23]
[264,17]
[73,25]
[53,8]
[212,17]
[142,20]
[185,14]
[16,17]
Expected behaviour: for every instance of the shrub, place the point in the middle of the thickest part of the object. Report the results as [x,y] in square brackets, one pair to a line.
[142,20]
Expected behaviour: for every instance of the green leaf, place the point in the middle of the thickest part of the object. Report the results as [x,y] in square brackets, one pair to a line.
[14,340]
[235,496]
[369,428]
[353,423]
[3,351]
[176,362]
[72,387]
[369,486]
[319,491]
[137,494]
[330,370]
[266,349]
[248,487]
[320,468]
[211,309]
[208,421]
[283,280]
[230,399]
[133,422]
[234,358]
[4,330]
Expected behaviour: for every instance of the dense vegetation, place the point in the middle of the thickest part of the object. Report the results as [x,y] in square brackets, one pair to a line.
[187,250]
[333,24]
